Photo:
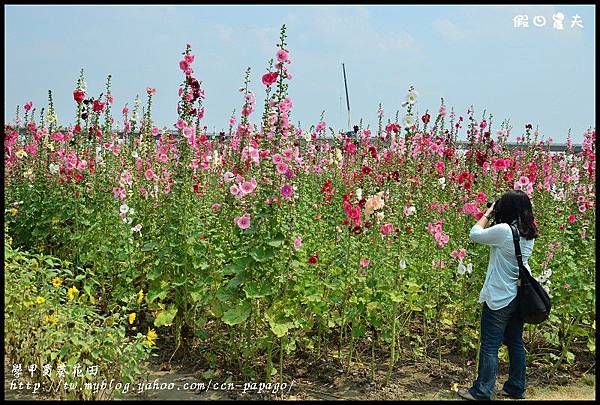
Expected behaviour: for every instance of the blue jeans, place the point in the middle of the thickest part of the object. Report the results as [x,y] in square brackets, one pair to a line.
[502,326]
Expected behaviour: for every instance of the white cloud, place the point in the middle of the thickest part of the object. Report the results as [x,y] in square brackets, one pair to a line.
[449,31]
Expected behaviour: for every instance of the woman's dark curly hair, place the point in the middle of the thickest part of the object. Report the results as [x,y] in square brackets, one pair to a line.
[516,205]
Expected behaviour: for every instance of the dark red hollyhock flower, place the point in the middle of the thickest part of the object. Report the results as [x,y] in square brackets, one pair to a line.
[366,170]
[426,118]
[313,259]
[77,128]
[98,106]
[269,78]
[528,126]
[78,95]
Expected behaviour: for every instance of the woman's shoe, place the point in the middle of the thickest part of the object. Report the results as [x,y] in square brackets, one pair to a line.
[466,394]
[503,393]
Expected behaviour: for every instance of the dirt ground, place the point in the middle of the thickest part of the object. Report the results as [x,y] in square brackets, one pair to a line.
[326,379]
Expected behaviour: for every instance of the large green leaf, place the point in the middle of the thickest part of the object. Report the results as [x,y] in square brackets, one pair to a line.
[166,316]
[237,314]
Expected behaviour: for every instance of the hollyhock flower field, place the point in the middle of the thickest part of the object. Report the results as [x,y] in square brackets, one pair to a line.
[269,241]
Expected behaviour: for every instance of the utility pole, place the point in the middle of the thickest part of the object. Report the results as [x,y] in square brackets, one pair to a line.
[347,99]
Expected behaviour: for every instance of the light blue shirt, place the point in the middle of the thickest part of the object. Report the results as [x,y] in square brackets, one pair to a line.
[500,286]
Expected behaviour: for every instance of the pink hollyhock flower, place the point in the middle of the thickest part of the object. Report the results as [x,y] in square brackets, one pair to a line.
[481,198]
[582,208]
[228,177]
[571,219]
[189,59]
[282,56]
[282,168]
[137,228]
[286,191]
[320,126]
[247,187]
[297,243]
[150,90]
[125,110]
[28,106]
[524,180]
[149,174]
[110,98]
[234,190]
[184,65]
[216,206]
[277,158]
[440,167]
[163,158]
[364,262]
[243,222]
[81,165]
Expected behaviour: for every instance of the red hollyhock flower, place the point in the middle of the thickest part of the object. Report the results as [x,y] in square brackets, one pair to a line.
[269,78]
[426,118]
[78,95]
[98,106]
[313,259]
[77,128]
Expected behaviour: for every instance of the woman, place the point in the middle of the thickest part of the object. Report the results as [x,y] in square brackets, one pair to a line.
[500,318]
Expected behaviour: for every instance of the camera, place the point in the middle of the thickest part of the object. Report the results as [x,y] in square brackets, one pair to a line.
[489,204]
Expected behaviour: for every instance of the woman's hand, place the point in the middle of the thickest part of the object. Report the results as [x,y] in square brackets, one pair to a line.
[490,210]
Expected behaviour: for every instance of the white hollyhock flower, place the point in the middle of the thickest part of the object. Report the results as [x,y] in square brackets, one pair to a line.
[124,208]
[359,193]
[470,268]
[412,97]
[461,268]
[442,182]
[402,264]
[54,168]
[409,121]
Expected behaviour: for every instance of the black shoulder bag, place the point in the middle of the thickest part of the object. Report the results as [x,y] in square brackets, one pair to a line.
[534,302]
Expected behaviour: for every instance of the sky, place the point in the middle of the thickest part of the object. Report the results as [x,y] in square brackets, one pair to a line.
[469,55]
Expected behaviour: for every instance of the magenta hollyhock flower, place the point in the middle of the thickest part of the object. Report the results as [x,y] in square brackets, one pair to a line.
[28,106]
[524,180]
[149,174]
[571,219]
[481,198]
[582,208]
[386,229]
[286,191]
[125,110]
[297,243]
[364,262]
[184,65]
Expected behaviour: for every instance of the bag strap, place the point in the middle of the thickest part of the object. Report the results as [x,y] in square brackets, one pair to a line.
[515,234]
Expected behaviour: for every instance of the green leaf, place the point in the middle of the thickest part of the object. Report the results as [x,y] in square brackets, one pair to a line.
[166,316]
[148,246]
[238,314]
